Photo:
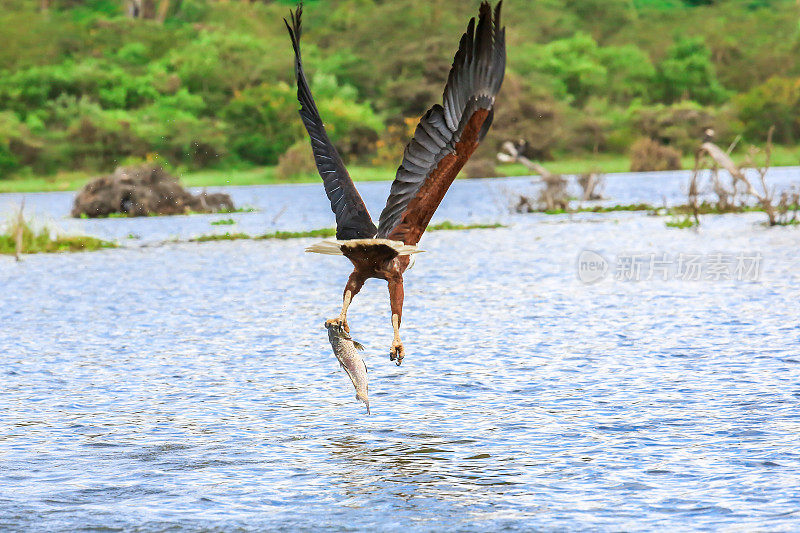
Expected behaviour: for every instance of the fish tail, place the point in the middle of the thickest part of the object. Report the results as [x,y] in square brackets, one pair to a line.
[363,399]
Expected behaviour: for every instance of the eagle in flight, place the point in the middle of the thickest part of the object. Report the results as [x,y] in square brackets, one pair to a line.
[445,138]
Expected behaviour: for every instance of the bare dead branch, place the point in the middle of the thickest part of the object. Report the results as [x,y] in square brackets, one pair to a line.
[722,159]
[512,155]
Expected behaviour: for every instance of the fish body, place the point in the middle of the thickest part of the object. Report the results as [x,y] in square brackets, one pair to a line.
[346,351]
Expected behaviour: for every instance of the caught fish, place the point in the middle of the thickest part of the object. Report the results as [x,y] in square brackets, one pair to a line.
[346,351]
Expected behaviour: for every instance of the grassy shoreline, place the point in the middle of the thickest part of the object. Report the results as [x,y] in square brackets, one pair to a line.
[606,163]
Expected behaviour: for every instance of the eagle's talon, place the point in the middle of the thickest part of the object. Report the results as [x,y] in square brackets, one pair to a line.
[338,322]
[397,353]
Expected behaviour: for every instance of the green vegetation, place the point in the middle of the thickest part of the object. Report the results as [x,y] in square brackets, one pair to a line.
[43,240]
[282,235]
[223,222]
[683,222]
[708,208]
[447,225]
[210,91]
[602,209]
[223,237]
[679,212]
[325,233]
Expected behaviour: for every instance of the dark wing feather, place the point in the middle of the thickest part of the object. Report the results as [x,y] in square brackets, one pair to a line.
[352,218]
[448,134]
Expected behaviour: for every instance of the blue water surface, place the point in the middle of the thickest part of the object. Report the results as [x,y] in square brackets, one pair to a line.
[186,386]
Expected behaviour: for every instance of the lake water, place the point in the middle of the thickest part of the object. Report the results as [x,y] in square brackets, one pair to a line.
[192,386]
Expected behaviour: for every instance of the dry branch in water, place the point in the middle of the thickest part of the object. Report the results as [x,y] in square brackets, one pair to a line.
[553,195]
[591,184]
[711,157]
[512,155]
[766,195]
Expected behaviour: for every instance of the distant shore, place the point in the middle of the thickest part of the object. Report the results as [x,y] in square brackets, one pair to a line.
[605,163]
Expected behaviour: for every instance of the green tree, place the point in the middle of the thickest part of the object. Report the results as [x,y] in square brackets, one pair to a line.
[219,64]
[578,68]
[575,63]
[630,73]
[264,122]
[687,73]
[775,102]
[10,129]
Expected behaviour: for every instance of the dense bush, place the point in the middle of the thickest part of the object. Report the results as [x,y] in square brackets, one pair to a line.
[297,161]
[679,125]
[649,155]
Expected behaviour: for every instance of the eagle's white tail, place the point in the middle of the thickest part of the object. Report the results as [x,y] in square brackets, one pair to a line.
[326,247]
[334,247]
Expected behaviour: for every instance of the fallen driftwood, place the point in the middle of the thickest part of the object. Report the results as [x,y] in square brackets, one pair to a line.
[141,191]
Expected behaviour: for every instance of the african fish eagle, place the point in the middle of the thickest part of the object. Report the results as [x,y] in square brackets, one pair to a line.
[445,138]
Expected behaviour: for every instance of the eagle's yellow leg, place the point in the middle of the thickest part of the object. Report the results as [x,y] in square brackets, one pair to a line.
[354,284]
[342,318]
[396,352]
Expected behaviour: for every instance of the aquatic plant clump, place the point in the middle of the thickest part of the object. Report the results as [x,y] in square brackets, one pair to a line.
[681,222]
[21,237]
[447,225]
[601,209]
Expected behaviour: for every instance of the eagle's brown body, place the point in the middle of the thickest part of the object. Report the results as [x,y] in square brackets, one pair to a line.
[445,138]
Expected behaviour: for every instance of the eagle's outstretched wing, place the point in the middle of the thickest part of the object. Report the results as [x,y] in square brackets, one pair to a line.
[352,218]
[448,134]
